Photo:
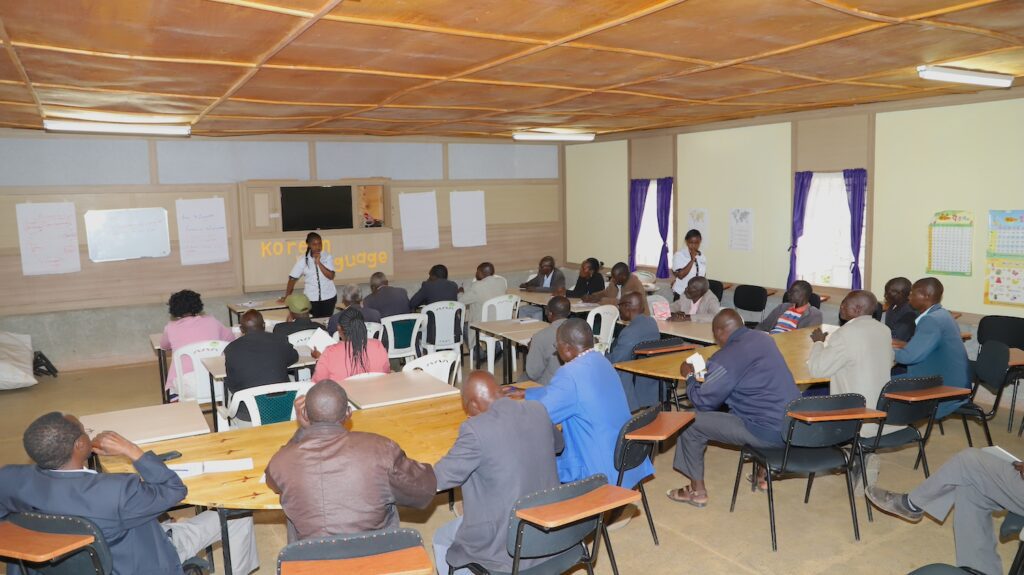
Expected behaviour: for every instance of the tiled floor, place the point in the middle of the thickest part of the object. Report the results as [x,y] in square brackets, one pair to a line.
[813,538]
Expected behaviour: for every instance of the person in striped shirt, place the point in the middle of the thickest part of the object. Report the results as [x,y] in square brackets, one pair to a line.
[793,314]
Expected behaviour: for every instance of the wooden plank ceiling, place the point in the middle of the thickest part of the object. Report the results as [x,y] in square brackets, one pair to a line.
[482,67]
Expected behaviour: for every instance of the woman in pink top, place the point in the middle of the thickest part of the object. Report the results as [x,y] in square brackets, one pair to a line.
[188,325]
[354,354]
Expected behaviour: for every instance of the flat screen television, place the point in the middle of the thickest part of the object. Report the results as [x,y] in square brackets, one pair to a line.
[306,208]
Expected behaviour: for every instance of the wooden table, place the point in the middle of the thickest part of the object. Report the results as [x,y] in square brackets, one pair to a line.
[541,298]
[395,388]
[512,331]
[151,423]
[161,363]
[1016,357]
[218,372]
[235,310]
[408,561]
[688,330]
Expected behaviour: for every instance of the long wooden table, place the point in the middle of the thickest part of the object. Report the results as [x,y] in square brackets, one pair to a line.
[512,331]
[542,298]
[688,330]
[235,310]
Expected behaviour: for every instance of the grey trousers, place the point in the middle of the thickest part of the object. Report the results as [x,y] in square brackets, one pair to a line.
[709,426]
[977,484]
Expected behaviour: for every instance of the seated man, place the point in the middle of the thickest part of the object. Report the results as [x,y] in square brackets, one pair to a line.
[622,283]
[978,483]
[437,287]
[505,451]
[586,398]
[334,481]
[698,304]
[749,375]
[936,347]
[487,285]
[298,316]
[384,298]
[257,358]
[899,315]
[589,281]
[797,313]
[548,279]
[351,296]
[124,506]
[646,391]
[542,359]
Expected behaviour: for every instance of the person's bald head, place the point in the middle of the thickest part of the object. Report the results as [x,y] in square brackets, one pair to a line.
[252,321]
[479,391]
[897,292]
[856,304]
[696,288]
[630,306]
[484,270]
[558,307]
[925,293]
[573,338]
[327,402]
[726,322]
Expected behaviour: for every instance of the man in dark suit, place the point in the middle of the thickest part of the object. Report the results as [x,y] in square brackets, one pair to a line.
[436,288]
[505,450]
[387,300]
[645,391]
[899,315]
[257,358]
[548,279]
[124,506]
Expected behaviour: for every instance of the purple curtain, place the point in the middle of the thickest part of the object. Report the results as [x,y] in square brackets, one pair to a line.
[856,192]
[637,197]
[664,213]
[801,188]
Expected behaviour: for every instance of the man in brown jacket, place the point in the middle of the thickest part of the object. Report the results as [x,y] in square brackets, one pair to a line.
[334,481]
[622,283]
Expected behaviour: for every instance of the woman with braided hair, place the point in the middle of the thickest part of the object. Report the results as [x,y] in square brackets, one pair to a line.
[355,353]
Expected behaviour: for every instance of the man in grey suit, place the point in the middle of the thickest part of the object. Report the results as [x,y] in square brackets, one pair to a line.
[641,391]
[542,360]
[384,298]
[548,279]
[505,451]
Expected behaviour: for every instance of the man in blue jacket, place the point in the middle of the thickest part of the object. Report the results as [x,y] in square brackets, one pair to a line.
[936,347]
[749,375]
[124,506]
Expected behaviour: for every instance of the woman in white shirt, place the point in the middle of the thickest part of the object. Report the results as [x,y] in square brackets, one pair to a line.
[688,263]
[317,269]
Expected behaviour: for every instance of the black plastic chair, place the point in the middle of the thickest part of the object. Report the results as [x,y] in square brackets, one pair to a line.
[814,299]
[1010,529]
[349,546]
[565,546]
[94,558]
[1009,330]
[669,392]
[810,448]
[750,298]
[991,372]
[630,454]
[944,569]
[716,287]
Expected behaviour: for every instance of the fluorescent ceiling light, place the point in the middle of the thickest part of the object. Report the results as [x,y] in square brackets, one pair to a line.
[111,128]
[943,74]
[114,117]
[556,137]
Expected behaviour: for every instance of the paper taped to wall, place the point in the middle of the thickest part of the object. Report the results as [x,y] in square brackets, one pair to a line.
[48,238]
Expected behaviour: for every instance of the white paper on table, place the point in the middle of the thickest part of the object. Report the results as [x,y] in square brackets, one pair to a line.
[469,219]
[263,478]
[528,320]
[418,213]
[48,238]
[1001,453]
[186,470]
[700,366]
[320,340]
[202,231]
[223,465]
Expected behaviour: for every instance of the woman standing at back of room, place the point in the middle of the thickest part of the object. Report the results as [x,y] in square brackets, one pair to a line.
[317,269]
[188,325]
[688,263]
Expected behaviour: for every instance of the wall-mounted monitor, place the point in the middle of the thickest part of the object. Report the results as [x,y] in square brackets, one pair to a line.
[306,208]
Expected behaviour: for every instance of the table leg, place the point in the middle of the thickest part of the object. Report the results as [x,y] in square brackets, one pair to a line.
[225,542]
[213,404]
[507,360]
[161,362]
[231,318]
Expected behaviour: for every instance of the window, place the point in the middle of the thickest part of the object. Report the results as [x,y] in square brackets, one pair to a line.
[648,242]
[823,255]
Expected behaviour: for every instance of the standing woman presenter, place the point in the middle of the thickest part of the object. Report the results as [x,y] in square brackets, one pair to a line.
[317,269]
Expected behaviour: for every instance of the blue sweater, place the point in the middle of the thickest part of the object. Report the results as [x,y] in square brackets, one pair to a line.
[936,349]
[749,375]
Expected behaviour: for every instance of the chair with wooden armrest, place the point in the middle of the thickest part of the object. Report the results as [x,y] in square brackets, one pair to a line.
[555,523]
[669,392]
[380,552]
[991,372]
[816,430]
[55,544]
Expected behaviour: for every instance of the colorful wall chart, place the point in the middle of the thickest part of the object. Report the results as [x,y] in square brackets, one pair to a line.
[1004,269]
[950,238]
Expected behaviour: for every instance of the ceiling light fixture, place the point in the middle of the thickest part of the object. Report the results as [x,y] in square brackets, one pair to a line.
[943,74]
[553,137]
[80,127]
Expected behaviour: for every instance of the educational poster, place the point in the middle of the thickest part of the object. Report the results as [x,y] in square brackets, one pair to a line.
[48,238]
[202,231]
[698,219]
[741,229]
[1004,278]
[418,212]
[469,219]
[950,240]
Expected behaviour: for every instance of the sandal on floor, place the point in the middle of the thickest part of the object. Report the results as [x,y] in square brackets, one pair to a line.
[762,484]
[698,499]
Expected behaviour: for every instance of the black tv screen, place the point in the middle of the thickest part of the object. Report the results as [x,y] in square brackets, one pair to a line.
[316,208]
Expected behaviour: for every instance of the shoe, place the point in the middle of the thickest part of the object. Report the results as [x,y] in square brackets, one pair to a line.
[620,517]
[893,503]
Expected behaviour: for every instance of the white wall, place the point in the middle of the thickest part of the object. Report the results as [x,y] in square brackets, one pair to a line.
[61,161]
[596,201]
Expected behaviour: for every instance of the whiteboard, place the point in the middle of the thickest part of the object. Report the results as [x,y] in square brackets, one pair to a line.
[418,213]
[469,219]
[127,234]
[48,237]
[202,231]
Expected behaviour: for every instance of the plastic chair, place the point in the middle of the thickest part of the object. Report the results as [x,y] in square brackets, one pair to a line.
[374,330]
[716,287]
[496,309]
[750,298]
[609,315]
[403,331]
[91,558]
[1009,330]
[630,454]
[441,365]
[266,404]
[196,384]
[340,548]
[991,372]
[646,277]
[445,320]
[301,337]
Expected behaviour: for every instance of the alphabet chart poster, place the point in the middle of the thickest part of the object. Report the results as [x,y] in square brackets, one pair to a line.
[1004,277]
[950,237]
[1006,234]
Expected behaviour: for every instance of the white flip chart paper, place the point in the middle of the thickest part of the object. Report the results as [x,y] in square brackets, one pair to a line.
[469,219]
[202,231]
[48,237]
[418,212]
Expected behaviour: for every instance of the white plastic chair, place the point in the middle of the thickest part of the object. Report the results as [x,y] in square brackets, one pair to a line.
[448,319]
[195,385]
[440,365]
[496,309]
[646,277]
[531,276]
[374,330]
[609,316]
[395,350]
[250,398]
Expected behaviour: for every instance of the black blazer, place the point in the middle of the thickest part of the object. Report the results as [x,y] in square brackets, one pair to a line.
[433,292]
[257,358]
[587,286]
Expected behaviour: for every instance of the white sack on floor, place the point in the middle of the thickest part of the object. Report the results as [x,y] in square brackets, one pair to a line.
[15,360]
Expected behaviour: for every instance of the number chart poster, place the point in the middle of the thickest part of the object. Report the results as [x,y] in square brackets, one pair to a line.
[950,240]
[1004,273]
